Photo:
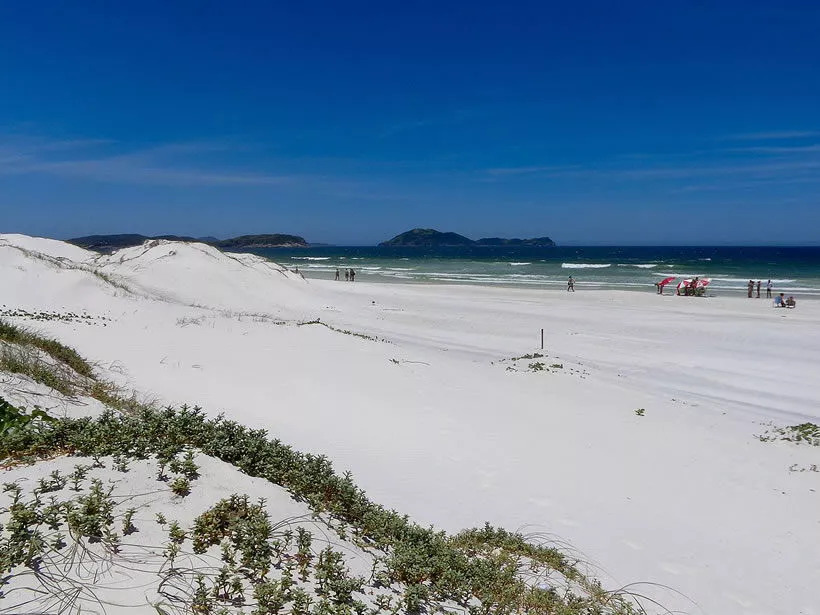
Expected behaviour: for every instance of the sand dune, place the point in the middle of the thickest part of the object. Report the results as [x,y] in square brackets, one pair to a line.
[435,418]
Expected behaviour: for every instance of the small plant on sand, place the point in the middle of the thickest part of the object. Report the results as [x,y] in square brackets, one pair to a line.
[185,466]
[557,366]
[55,482]
[175,533]
[640,411]
[78,476]
[93,513]
[128,526]
[181,486]
[805,433]
[120,463]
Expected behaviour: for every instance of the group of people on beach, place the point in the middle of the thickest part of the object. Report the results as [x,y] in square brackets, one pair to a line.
[350,275]
[689,289]
[781,301]
[753,290]
[750,288]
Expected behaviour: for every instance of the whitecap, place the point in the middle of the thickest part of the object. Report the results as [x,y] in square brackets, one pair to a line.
[585,265]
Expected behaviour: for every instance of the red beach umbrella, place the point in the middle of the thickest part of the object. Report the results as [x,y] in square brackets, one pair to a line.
[666,281]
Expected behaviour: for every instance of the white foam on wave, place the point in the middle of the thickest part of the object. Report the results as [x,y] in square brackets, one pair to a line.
[310,258]
[519,264]
[678,274]
[641,266]
[746,280]
[585,265]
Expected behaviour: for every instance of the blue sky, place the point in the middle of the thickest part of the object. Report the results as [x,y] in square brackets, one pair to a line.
[349,122]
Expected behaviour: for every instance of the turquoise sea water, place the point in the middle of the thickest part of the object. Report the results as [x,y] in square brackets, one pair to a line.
[793,270]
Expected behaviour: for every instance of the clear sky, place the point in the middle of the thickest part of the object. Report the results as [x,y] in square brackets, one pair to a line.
[349,122]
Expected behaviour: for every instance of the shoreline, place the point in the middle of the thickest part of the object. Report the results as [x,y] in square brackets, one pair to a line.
[549,285]
[554,288]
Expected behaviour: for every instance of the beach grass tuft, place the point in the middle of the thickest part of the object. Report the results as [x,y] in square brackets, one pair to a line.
[21,336]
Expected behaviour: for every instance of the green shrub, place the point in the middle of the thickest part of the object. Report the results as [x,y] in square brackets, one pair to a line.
[484,564]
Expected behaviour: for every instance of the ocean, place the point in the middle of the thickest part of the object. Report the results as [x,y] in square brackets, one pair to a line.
[793,270]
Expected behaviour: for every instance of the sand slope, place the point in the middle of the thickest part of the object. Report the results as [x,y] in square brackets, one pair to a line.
[438,422]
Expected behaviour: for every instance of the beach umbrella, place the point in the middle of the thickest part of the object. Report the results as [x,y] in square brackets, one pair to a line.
[704,282]
[666,281]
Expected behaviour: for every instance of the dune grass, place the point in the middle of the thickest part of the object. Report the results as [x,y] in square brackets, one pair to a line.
[59,367]
[23,360]
[21,336]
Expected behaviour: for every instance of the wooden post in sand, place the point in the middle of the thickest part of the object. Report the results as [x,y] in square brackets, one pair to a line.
[542,339]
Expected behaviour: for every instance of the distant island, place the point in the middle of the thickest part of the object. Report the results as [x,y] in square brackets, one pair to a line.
[427,238]
[263,241]
[110,243]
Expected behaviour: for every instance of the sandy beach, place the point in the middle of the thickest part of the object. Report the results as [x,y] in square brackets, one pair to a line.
[633,440]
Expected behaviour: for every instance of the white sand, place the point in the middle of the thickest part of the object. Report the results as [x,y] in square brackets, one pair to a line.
[435,425]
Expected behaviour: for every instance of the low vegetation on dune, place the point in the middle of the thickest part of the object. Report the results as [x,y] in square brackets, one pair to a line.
[254,562]
[57,366]
[19,336]
[804,433]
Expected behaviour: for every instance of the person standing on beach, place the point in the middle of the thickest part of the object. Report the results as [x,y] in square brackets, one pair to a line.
[570,285]
[352,275]
[337,274]
[751,287]
[347,275]
[769,289]
[758,289]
